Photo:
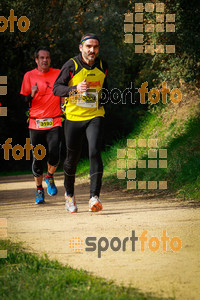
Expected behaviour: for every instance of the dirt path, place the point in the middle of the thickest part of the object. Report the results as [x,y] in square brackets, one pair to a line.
[49,228]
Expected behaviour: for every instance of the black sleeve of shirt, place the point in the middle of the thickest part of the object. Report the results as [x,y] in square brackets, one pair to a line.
[61,87]
[105,91]
[105,69]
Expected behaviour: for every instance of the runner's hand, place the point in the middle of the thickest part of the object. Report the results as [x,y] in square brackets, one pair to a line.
[83,86]
[34,90]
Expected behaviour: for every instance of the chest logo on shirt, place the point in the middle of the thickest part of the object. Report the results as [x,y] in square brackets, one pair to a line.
[45,88]
[48,85]
[94,83]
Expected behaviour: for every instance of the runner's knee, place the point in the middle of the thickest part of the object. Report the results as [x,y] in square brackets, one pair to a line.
[37,168]
[69,167]
[71,161]
[53,159]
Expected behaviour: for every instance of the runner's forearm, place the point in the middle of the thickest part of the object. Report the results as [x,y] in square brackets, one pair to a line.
[62,90]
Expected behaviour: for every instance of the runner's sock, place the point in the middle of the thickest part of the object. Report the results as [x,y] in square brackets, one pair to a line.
[39,187]
[49,175]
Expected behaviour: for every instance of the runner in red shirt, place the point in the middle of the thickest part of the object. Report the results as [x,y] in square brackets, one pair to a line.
[44,118]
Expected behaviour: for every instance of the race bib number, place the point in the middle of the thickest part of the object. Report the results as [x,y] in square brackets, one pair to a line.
[88,99]
[44,123]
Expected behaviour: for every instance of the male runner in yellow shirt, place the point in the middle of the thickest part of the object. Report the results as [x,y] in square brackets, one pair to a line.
[81,80]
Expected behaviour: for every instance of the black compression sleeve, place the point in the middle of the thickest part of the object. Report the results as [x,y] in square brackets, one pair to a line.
[105,87]
[61,87]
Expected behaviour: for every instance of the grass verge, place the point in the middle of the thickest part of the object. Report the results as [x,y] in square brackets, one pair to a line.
[26,276]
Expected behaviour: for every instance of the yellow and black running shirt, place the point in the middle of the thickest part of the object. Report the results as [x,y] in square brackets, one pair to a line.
[81,106]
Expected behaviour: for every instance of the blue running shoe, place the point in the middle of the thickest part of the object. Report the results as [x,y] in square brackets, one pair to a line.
[51,188]
[39,197]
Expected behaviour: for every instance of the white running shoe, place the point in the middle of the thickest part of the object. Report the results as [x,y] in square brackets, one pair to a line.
[70,204]
[95,204]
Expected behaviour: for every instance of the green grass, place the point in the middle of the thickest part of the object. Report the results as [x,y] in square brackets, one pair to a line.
[26,276]
[13,173]
[182,141]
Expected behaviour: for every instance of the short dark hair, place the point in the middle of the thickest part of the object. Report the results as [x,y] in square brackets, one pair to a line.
[44,48]
[89,35]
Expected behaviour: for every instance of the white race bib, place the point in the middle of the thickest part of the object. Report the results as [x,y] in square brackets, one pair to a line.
[88,99]
[44,123]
